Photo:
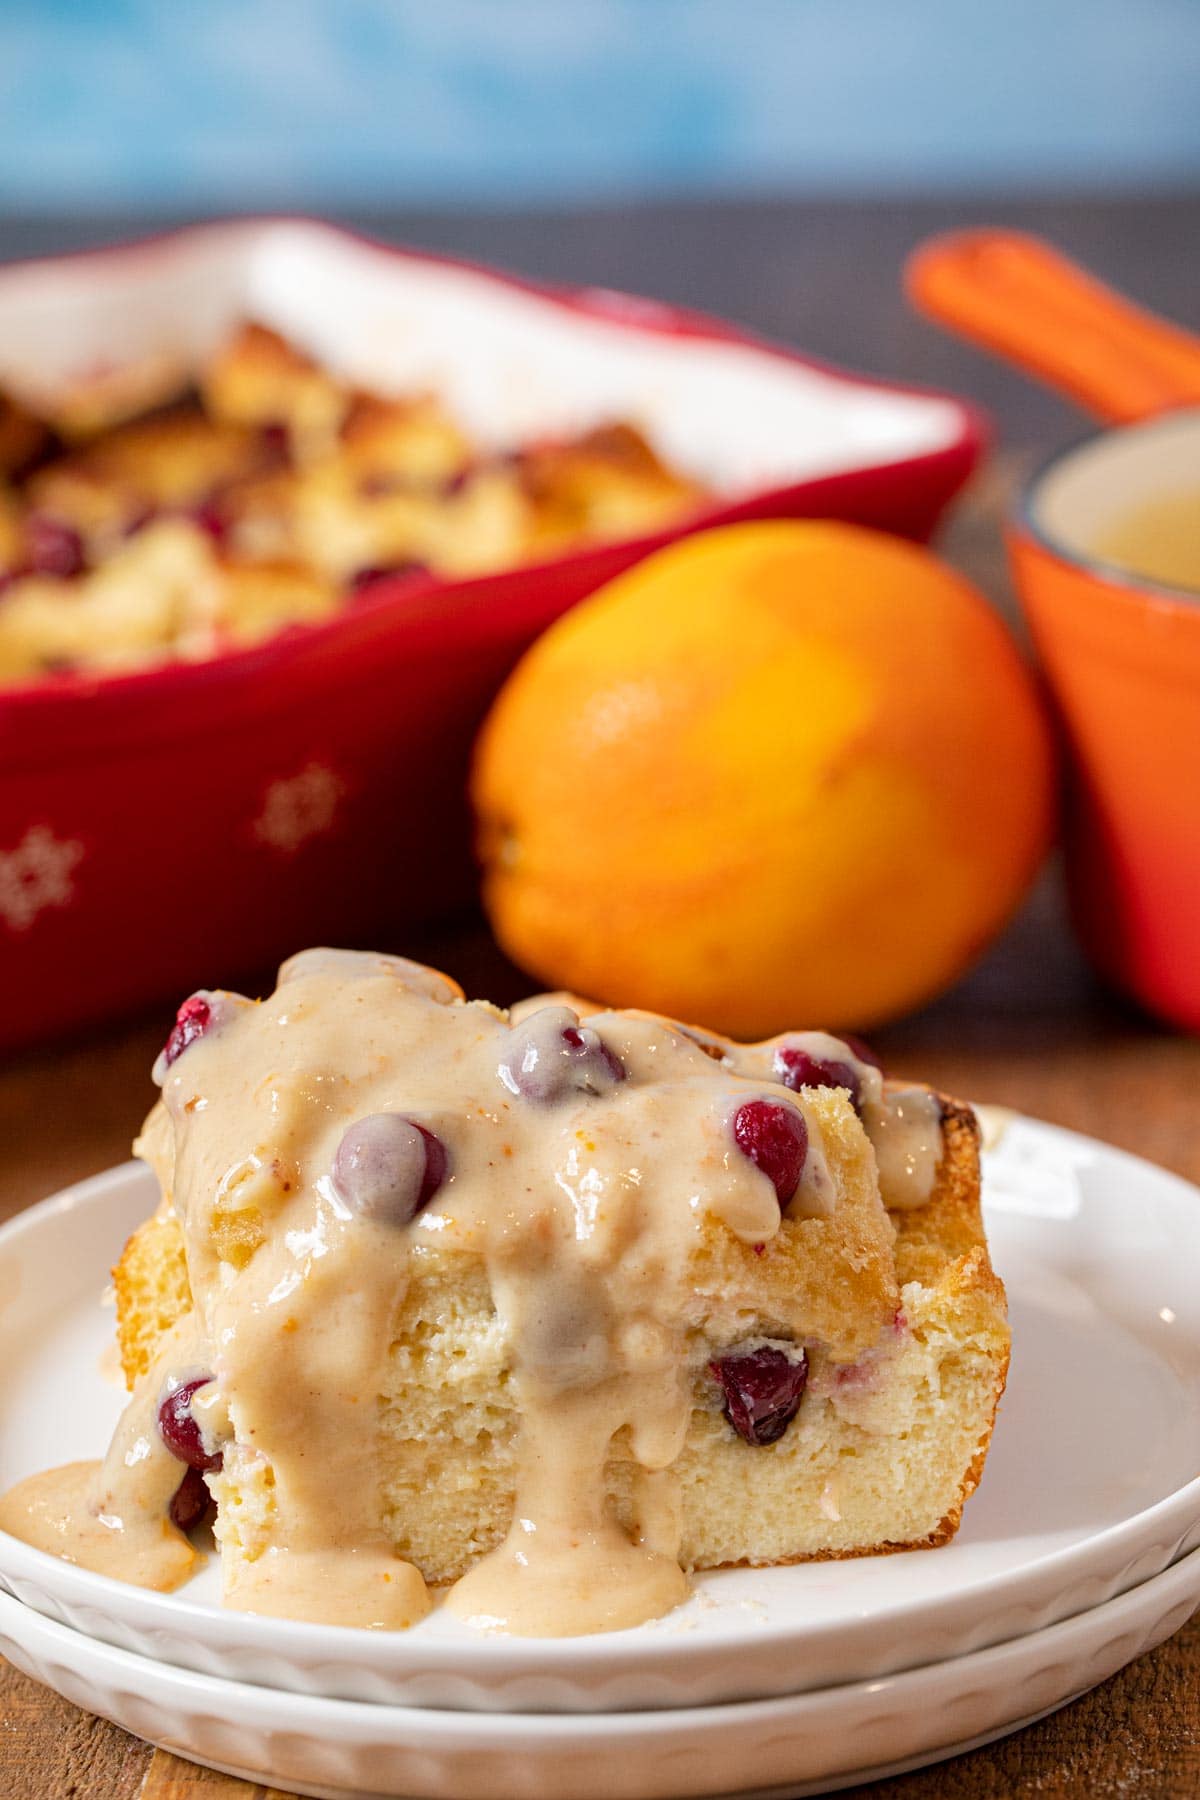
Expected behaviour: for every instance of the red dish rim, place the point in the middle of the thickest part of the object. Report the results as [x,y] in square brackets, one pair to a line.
[177,682]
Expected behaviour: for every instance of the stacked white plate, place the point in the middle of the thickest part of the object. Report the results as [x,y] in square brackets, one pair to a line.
[1080,1551]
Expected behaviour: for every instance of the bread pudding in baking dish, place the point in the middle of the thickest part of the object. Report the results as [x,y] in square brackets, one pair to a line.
[268,494]
[550,1307]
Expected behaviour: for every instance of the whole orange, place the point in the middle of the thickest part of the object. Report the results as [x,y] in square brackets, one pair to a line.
[778,774]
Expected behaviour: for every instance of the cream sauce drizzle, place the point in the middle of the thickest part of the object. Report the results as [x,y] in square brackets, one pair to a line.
[586,1210]
[113,1516]
[902,1120]
[61,1511]
[905,1126]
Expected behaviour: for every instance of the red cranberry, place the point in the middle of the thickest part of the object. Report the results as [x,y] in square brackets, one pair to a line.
[190,1501]
[763,1390]
[796,1068]
[775,1138]
[387,1168]
[52,547]
[191,1021]
[208,518]
[862,1050]
[408,568]
[276,441]
[550,1055]
[178,1428]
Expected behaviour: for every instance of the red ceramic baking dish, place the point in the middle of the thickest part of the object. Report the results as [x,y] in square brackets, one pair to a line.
[193,822]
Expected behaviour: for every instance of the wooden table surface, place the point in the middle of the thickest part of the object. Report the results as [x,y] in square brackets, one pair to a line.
[1029,1028]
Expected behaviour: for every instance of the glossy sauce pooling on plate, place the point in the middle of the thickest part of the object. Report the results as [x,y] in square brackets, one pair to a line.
[313,1144]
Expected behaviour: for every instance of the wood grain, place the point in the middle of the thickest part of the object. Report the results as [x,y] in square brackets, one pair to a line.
[169,1778]
[1029,1028]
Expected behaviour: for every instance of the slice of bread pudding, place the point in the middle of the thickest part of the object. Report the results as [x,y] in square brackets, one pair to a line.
[553,1306]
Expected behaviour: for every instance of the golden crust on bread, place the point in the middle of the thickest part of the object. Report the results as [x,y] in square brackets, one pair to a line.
[175,458]
[942,1247]
[258,379]
[408,440]
[152,1289]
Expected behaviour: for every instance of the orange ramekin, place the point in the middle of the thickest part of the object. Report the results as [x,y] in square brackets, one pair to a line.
[1121,652]
[1123,659]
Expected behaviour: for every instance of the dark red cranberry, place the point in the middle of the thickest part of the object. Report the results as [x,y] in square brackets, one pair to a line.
[52,547]
[550,1055]
[191,1021]
[797,1069]
[763,1390]
[276,441]
[190,1501]
[862,1050]
[388,1167]
[208,518]
[178,1428]
[407,568]
[775,1138]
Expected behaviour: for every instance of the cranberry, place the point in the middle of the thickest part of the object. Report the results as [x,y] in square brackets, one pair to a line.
[276,440]
[208,518]
[178,1428]
[796,1068]
[190,1501]
[52,547]
[775,1138]
[408,568]
[191,1021]
[551,1055]
[763,1390]
[387,1168]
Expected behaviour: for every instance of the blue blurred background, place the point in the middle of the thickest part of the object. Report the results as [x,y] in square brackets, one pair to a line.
[165,105]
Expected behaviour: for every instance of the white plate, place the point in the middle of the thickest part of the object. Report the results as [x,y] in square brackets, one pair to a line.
[809,1742]
[1090,1488]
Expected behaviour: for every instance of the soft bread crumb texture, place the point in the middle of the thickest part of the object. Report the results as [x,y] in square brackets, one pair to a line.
[882,1456]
